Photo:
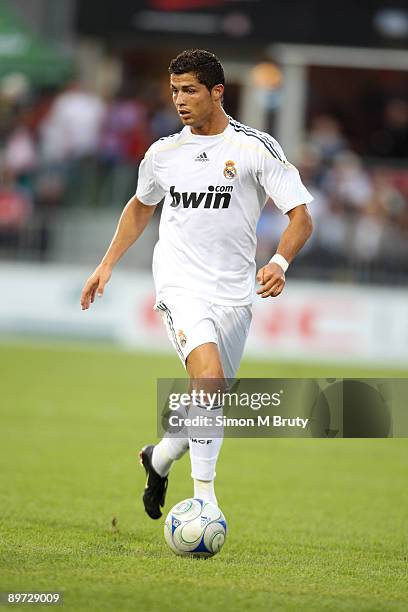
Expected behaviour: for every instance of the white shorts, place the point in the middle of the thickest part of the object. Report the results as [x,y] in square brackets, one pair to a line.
[191,321]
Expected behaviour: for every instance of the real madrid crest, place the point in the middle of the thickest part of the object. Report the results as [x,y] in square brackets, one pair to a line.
[230,170]
[182,337]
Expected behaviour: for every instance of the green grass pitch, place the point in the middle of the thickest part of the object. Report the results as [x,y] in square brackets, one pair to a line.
[313,524]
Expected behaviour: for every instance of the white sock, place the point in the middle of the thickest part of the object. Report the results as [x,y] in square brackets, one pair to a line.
[170,448]
[166,452]
[204,489]
[205,444]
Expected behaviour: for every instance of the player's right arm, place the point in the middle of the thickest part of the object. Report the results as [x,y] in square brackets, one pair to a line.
[133,220]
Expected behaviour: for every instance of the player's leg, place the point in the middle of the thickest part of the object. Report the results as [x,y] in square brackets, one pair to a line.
[209,360]
[232,325]
[203,362]
[206,374]
[188,325]
[215,366]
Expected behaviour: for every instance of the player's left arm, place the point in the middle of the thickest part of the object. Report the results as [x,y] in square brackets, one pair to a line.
[272,276]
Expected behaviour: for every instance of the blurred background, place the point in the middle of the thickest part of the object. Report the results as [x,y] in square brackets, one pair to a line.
[84,91]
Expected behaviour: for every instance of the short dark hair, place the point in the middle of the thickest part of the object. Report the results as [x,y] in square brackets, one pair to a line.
[204,64]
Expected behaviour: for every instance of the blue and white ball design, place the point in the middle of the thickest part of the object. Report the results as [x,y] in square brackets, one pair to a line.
[195,527]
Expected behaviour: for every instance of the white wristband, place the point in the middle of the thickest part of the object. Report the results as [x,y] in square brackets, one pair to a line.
[280,260]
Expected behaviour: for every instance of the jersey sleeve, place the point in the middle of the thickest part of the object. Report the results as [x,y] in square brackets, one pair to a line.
[148,190]
[281,182]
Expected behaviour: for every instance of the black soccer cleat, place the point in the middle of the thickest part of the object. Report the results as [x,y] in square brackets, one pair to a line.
[156,486]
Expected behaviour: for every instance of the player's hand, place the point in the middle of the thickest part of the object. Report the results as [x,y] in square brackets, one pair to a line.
[95,285]
[272,280]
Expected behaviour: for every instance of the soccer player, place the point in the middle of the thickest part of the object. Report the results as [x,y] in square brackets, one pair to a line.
[215,177]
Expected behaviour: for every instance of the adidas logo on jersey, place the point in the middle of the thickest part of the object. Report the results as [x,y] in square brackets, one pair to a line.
[202,157]
[218,196]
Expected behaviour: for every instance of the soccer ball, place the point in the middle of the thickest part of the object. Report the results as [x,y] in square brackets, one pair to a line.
[195,528]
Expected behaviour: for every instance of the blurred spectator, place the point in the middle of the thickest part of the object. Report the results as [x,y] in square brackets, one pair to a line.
[333,234]
[20,154]
[392,140]
[15,210]
[386,197]
[326,136]
[368,232]
[72,128]
[309,163]
[14,88]
[124,130]
[347,182]
[124,138]
[164,121]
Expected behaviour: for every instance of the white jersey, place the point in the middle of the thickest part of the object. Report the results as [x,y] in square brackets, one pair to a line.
[215,188]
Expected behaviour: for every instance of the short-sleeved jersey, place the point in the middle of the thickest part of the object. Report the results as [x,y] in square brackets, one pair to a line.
[214,190]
